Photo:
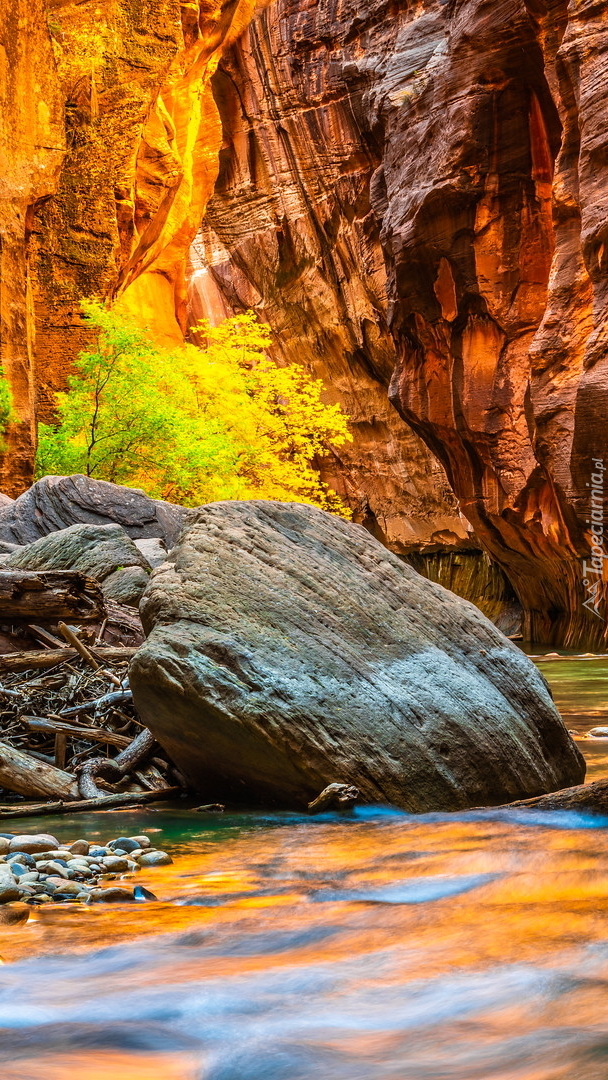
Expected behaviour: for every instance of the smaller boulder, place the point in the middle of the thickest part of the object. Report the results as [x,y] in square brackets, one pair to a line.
[94,550]
[153,549]
[32,845]
[126,586]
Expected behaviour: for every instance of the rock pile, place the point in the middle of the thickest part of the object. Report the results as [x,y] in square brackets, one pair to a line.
[103,552]
[56,502]
[38,869]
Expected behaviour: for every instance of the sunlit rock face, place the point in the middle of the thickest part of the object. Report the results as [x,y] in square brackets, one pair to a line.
[31,150]
[112,140]
[419,192]
[292,230]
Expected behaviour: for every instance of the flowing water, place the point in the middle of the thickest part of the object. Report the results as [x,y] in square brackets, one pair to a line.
[377,946]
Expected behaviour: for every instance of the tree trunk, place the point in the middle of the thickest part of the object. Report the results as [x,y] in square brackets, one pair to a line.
[29,776]
[49,594]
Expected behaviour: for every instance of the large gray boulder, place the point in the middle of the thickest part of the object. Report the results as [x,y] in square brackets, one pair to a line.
[55,502]
[95,550]
[288,649]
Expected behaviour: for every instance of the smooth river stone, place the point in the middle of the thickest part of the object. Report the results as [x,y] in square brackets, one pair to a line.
[287,649]
[32,845]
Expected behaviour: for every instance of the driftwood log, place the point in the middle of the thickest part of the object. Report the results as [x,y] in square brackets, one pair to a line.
[35,659]
[95,734]
[592,798]
[107,802]
[30,776]
[49,594]
[113,769]
[334,797]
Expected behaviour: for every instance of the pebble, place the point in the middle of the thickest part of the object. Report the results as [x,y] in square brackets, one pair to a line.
[115,865]
[115,895]
[70,888]
[52,868]
[143,894]
[40,870]
[598,733]
[21,857]
[32,844]
[80,847]
[8,893]
[155,858]
[19,871]
[125,843]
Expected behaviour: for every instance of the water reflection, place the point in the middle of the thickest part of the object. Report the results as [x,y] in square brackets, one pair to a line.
[380,947]
[580,689]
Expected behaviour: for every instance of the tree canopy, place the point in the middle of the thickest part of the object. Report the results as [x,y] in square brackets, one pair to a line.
[193,424]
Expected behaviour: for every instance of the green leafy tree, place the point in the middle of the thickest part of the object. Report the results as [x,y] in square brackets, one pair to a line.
[193,424]
[6,406]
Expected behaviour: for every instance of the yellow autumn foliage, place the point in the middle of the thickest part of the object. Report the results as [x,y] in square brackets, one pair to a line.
[192,424]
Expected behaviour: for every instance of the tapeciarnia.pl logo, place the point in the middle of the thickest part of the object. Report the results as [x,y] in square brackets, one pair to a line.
[593,570]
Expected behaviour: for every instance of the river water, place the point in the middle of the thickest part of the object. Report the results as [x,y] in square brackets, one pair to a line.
[377,946]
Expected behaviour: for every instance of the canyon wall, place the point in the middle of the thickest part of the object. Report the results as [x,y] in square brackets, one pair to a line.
[412,193]
[416,193]
[32,145]
[112,137]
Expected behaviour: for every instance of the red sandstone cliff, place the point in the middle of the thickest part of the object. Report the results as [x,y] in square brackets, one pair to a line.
[466,142]
[111,136]
[412,194]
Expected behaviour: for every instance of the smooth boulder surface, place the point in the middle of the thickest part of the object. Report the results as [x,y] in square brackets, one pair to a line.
[56,502]
[288,649]
[153,550]
[126,585]
[95,550]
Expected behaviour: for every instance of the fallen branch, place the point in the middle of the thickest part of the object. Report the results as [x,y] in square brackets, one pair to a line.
[100,735]
[113,770]
[29,776]
[116,697]
[73,640]
[30,661]
[107,802]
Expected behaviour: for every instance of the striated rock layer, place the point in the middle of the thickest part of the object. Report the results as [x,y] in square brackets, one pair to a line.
[111,137]
[31,152]
[414,195]
[288,649]
[421,189]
